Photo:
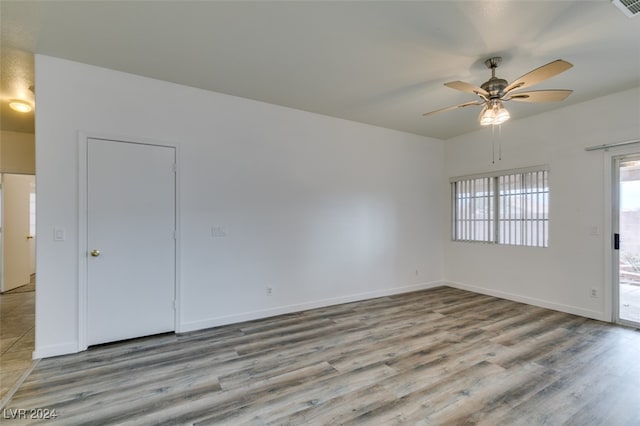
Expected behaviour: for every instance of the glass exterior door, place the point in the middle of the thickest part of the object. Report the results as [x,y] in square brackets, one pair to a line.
[627,239]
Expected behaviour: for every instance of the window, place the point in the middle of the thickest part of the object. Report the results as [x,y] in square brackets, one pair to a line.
[474,209]
[505,207]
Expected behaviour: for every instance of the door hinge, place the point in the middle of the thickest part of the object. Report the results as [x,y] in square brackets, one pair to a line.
[175,234]
[616,241]
[174,167]
[175,305]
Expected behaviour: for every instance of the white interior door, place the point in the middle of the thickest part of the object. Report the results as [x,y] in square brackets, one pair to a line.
[130,239]
[17,240]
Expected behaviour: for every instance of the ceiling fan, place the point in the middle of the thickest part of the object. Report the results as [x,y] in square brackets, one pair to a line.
[495,91]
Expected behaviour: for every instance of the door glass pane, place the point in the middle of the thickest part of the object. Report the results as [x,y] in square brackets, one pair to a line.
[630,240]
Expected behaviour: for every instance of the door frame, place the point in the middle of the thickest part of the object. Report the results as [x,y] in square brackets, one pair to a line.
[611,208]
[83,247]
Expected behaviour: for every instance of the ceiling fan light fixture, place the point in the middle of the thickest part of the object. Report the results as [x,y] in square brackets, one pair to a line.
[487,115]
[502,116]
[493,113]
[20,105]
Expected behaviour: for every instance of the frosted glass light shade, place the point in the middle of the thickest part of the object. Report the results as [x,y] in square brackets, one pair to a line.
[493,113]
[20,106]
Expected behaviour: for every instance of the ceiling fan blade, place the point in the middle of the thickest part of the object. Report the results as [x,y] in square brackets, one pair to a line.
[539,96]
[466,87]
[539,74]
[466,104]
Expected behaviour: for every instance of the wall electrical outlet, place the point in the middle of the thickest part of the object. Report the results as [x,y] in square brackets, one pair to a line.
[269,291]
[594,292]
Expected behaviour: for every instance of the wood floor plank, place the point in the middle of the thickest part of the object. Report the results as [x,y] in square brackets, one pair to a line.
[563,398]
[341,409]
[438,366]
[525,332]
[96,389]
[437,356]
[531,348]
[618,404]
[228,406]
[288,406]
[432,397]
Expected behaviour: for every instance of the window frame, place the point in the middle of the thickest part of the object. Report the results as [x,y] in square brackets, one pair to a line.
[498,196]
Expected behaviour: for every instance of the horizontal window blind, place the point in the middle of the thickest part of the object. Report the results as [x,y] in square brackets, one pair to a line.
[474,209]
[509,207]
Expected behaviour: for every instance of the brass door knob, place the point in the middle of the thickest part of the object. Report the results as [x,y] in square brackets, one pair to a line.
[95,253]
[29,237]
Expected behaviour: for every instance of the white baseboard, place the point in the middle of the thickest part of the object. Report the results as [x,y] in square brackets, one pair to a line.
[265,313]
[530,301]
[55,350]
[72,347]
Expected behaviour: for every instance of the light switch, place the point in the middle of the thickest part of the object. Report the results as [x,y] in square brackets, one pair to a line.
[218,231]
[59,234]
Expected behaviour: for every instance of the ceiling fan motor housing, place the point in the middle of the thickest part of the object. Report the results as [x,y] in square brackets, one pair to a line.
[495,86]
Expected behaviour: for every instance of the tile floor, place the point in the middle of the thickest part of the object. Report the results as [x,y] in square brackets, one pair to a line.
[17,326]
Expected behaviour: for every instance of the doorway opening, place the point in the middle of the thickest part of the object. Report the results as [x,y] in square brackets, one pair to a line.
[17,278]
[626,224]
[18,216]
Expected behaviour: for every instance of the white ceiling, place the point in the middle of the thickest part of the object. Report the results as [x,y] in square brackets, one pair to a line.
[378,62]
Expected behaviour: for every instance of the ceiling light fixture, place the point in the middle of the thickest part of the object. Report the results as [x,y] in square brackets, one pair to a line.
[20,105]
[493,113]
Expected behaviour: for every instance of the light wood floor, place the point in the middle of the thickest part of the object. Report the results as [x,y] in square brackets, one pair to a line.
[439,356]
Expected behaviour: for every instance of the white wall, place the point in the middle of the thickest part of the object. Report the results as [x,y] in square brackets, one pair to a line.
[321,209]
[562,275]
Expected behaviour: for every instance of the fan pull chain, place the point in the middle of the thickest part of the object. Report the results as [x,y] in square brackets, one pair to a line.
[493,153]
[500,143]
[493,144]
